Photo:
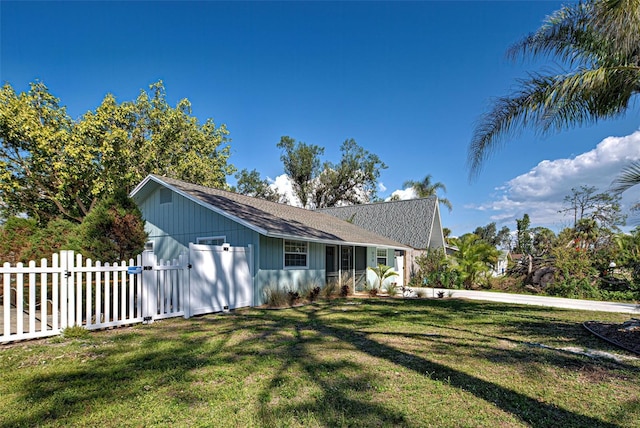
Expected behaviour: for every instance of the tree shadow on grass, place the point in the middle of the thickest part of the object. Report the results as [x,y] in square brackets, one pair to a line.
[525,408]
[111,373]
[330,392]
[338,397]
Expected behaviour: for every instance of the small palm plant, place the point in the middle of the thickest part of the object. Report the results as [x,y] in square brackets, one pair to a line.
[382,273]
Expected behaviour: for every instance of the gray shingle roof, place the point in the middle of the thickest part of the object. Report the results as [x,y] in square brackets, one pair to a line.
[409,222]
[270,218]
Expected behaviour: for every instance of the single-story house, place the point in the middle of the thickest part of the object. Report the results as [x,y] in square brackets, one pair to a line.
[290,246]
[415,223]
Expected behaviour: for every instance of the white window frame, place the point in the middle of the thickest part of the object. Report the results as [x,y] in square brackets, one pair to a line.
[385,257]
[202,240]
[285,252]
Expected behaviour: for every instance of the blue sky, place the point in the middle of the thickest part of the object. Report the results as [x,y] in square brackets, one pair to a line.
[406,80]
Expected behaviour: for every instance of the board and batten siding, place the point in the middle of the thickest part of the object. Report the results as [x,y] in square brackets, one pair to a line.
[172,225]
[272,273]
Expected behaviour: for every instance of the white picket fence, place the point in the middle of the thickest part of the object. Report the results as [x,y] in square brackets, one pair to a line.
[41,301]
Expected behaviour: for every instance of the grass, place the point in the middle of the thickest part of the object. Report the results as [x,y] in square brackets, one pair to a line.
[347,362]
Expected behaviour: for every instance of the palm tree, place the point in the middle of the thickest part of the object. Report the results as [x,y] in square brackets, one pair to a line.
[425,189]
[382,273]
[599,42]
[473,258]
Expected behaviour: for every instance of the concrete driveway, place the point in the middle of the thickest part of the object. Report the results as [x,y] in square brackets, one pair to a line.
[524,299]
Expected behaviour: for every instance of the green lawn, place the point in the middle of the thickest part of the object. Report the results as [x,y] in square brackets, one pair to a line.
[377,362]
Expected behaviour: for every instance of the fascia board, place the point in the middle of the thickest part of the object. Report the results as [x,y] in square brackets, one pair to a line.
[141,185]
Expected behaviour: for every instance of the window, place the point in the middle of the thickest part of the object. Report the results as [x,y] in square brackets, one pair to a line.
[295,254]
[166,196]
[381,256]
[211,240]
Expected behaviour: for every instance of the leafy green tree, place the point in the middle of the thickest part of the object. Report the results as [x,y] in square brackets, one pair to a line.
[604,208]
[250,183]
[544,240]
[596,42]
[628,255]
[474,258]
[426,189]
[487,233]
[490,234]
[113,230]
[34,133]
[52,165]
[353,180]
[301,163]
[575,275]
[524,239]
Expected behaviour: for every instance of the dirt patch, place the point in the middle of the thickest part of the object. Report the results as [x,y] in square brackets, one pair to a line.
[625,335]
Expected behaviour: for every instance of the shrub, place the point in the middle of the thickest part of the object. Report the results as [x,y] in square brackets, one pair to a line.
[331,289]
[574,288]
[313,294]
[293,297]
[14,238]
[114,229]
[382,273]
[392,289]
[275,297]
[59,235]
[345,290]
[21,240]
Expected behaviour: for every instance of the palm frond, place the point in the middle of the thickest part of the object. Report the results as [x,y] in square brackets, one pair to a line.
[554,103]
[599,43]
[628,177]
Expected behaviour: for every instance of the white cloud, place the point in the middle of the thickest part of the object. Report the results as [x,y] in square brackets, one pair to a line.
[404,194]
[382,187]
[540,192]
[282,184]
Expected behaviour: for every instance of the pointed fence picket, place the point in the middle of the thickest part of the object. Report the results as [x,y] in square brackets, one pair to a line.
[41,301]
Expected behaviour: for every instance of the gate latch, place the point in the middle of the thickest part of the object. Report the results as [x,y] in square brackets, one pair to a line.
[148,267]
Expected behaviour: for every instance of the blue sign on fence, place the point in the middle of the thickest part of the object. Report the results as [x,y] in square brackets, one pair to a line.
[133,270]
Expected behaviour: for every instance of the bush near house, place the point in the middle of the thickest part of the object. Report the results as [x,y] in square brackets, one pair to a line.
[113,230]
[602,267]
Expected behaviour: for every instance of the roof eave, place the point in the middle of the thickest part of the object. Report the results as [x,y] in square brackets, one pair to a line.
[335,241]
